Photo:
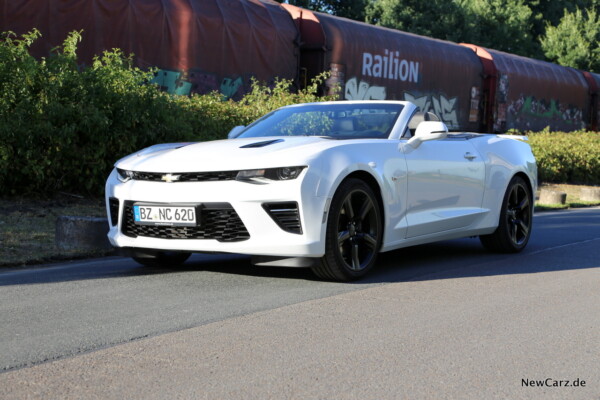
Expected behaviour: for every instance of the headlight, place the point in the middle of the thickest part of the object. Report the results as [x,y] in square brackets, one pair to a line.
[269,174]
[124,175]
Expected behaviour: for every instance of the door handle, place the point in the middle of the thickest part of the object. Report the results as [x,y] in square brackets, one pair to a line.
[470,156]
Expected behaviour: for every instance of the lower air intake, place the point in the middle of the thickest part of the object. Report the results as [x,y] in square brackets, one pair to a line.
[286,215]
[218,221]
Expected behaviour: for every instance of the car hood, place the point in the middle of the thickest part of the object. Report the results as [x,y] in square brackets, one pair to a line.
[226,155]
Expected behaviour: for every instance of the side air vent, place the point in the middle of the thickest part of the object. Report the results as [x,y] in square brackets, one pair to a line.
[261,144]
[285,215]
[113,206]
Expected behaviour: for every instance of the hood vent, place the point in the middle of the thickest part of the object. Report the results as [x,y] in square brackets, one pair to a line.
[261,144]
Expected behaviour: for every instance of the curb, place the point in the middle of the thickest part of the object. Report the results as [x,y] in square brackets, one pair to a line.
[82,233]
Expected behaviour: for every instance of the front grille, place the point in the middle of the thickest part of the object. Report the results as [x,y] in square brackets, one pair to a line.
[286,215]
[113,206]
[218,221]
[186,176]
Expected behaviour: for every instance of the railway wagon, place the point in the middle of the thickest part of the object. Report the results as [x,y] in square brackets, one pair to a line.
[204,45]
[375,63]
[491,92]
[528,94]
[594,84]
[198,45]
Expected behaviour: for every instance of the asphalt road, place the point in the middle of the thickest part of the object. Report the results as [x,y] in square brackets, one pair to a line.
[445,320]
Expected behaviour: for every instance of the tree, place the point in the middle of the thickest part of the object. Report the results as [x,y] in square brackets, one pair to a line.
[574,42]
[353,9]
[498,24]
[549,13]
[436,18]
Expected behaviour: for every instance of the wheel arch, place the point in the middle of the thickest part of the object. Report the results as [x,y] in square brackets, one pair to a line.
[527,180]
[339,262]
[523,175]
[370,180]
[506,238]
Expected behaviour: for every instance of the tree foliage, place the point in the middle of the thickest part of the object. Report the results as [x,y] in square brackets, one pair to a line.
[575,41]
[417,16]
[499,24]
[62,127]
[353,9]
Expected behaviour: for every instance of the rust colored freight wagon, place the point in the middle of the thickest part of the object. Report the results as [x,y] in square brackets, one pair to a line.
[201,46]
[369,62]
[594,85]
[198,45]
[527,94]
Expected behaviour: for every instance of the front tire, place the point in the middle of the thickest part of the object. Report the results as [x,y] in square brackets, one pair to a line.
[353,235]
[516,219]
[162,259]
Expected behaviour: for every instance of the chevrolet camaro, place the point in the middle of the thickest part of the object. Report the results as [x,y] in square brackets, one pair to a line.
[323,185]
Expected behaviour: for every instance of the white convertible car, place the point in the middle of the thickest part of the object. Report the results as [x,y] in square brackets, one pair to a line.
[323,185]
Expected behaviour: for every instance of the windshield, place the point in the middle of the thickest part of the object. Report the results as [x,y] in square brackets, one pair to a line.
[337,121]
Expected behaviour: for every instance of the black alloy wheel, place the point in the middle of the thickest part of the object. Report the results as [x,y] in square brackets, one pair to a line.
[516,220]
[354,233]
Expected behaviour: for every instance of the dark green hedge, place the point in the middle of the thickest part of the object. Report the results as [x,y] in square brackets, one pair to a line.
[62,127]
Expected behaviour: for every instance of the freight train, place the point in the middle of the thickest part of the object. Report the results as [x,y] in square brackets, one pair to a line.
[200,46]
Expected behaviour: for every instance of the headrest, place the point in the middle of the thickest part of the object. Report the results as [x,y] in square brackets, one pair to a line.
[420,117]
[344,124]
[429,116]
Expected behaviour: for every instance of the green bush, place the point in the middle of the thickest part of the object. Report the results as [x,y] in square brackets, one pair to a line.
[572,157]
[62,127]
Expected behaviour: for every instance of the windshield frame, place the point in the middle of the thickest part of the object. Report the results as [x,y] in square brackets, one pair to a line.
[357,114]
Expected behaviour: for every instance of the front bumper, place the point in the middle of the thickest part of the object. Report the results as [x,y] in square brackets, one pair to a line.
[266,236]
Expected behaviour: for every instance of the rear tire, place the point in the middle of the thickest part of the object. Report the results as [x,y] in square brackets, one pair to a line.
[516,220]
[353,235]
[162,259]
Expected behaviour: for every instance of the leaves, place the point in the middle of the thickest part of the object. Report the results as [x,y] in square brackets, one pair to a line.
[531,28]
[353,9]
[498,24]
[572,157]
[575,41]
[62,127]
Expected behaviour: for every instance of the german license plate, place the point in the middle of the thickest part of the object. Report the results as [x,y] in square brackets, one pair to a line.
[145,214]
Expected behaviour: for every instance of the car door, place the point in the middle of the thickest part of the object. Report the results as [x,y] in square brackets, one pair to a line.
[445,185]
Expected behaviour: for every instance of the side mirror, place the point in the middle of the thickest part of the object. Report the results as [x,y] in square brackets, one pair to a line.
[428,130]
[235,132]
